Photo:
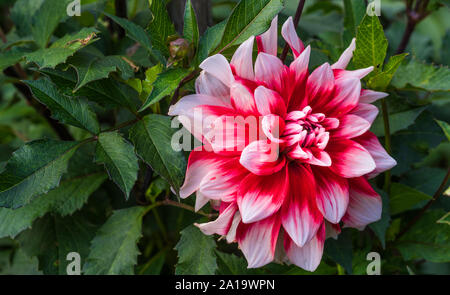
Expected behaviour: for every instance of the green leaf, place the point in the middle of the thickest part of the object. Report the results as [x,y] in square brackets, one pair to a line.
[354,13]
[114,250]
[380,227]
[155,265]
[59,51]
[11,57]
[397,121]
[249,18]
[22,15]
[51,238]
[230,264]
[382,80]
[64,200]
[371,44]
[341,250]
[106,92]
[404,198]
[445,128]
[21,264]
[417,75]
[119,158]
[151,74]
[161,26]
[424,179]
[210,40]
[152,139]
[166,83]
[47,18]
[72,111]
[92,68]
[134,32]
[190,27]
[191,261]
[427,239]
[411,145]
[33,170]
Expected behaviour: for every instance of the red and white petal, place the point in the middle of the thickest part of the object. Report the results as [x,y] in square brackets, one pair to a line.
[218,66]
[197,111]
[299,214]
[200,201]
[356,74]
[351,126]
[346,97]
[290,35]
[258,240]
[320,85]
[369,96]
[330,123]
[223,184]
[209,85]
[187,103]
[365,204]
[268,42]
[332,194]
[345,57]
[198,120]
[382,159]
[222,224]
[262,158]
[273,127]
[242,99]
[231,134]
[259,197]
[299,74]
[231,235]
[242,60]
[309,256]
[269,102]
[297,152]
[349,159]
[299,67]
[318,157]
[366,111]
[199,165]
[270,70]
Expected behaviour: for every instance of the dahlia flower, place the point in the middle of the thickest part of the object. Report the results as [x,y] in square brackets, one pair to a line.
[282,208]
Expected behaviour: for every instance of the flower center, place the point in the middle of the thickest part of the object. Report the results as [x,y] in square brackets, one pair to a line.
[305,132]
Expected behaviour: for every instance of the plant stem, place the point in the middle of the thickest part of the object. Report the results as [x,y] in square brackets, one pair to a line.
[297,16]
[410,26]
[387,143]
[436,195]
[160,225]
[187,207]
[414,16]
[178,205]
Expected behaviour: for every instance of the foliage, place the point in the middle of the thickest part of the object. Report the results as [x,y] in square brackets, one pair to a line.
[86,163]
